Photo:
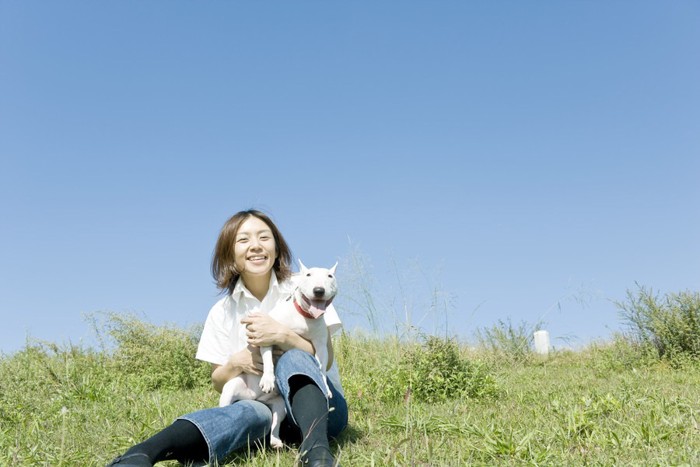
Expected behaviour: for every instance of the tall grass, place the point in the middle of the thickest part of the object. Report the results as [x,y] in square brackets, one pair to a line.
[409,303]
[507,341]
[667,326]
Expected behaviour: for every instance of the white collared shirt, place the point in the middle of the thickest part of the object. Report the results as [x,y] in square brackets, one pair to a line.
[223,334]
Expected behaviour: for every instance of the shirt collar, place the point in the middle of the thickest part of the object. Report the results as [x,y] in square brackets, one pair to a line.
[240,290]
[285,287]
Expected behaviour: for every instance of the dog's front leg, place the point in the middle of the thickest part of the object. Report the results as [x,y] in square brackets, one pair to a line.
[322,357]
[322,354]
[235,390]
[278,413]
[267,382]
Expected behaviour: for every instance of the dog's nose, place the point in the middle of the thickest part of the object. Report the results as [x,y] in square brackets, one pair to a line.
[319,291]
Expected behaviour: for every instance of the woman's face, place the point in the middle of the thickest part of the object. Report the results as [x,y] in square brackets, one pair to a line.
[255,249]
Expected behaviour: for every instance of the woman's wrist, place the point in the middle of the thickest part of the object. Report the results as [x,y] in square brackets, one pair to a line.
[286,340]
[292,340]
[233,369]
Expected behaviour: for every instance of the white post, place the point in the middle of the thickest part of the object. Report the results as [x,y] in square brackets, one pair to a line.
[542,342]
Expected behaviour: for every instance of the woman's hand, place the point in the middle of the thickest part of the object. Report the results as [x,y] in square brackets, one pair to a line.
[263,331]
[248,361]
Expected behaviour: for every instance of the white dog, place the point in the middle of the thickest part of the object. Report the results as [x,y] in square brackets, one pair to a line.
[300,312]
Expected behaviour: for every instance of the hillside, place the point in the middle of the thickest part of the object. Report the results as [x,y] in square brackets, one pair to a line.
[604,405]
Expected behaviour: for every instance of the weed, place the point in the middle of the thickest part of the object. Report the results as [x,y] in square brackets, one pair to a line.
[668,326]
[509,342]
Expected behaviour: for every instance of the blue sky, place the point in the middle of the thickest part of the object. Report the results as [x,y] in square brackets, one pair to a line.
[481,161]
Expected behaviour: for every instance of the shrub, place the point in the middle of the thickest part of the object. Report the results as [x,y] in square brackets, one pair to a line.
[390,371]
[669,326]
[437,371]
[155,357]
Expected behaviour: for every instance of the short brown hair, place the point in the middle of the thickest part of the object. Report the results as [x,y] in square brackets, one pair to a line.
[223,266]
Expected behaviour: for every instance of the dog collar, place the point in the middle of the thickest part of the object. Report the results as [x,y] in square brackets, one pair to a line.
[301,310]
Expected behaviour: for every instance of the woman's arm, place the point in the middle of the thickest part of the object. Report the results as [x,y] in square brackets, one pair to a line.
[247,361]
[220,374]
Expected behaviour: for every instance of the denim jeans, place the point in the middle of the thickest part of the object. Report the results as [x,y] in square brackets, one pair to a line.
[239,425]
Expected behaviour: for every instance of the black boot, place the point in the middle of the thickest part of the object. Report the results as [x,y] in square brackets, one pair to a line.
[137,459]
[317,457]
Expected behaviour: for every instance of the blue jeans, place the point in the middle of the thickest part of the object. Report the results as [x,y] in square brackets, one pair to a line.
[239,425]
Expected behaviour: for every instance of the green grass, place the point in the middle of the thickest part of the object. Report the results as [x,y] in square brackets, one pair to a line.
[667,327]
[604,405]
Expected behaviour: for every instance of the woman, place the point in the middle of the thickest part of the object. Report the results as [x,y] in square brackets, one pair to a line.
[252,264]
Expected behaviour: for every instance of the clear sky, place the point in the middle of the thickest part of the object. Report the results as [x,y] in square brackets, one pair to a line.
[481,160]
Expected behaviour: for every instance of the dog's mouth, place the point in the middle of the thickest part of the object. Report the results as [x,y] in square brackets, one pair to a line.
[314,307]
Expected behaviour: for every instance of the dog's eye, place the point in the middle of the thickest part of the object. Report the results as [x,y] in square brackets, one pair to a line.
[308,275]
[330,275]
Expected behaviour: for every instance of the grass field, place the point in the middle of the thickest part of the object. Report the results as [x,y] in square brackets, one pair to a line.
[604,405]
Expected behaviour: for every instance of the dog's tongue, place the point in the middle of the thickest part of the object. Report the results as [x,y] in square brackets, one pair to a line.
[317,307]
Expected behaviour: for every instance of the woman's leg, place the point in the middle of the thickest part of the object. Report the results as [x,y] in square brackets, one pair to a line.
[181,440]
[208,435]
[310,409]
[302,386]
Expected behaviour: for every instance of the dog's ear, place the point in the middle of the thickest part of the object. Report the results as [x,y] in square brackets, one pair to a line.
[333,268]
[303,268]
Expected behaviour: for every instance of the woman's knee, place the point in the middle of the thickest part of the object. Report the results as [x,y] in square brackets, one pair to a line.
[294,365]
[255,413]
[295,355]
[296,361]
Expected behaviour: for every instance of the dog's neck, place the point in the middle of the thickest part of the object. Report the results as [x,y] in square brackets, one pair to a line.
[301,311]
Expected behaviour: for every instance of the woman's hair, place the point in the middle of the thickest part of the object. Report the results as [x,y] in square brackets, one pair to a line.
[223,266]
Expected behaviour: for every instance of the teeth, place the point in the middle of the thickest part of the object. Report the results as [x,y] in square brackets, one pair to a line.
[256,258]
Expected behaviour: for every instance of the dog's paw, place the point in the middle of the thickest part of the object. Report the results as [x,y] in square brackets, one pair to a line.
[267,383]
[275,442]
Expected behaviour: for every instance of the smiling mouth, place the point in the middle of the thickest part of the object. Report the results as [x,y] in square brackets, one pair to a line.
[257,258]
